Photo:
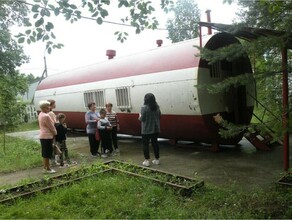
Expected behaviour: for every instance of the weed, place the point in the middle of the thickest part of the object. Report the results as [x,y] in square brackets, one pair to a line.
[19,154]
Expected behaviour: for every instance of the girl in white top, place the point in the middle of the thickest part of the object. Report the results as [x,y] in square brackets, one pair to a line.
[105,127]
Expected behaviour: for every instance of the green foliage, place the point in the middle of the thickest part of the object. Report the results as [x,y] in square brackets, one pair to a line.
[230,130]
[184,25]
[122,36]
[229,53]
[32,79]
[19,154]
[111,196]
[11,54]
[274,15]
[26,126]
[41,29]
[12,13]
[228,1]
[230,82]
[11,109]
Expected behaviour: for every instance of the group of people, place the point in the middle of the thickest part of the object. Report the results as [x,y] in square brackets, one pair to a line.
[101,127]
[53,130]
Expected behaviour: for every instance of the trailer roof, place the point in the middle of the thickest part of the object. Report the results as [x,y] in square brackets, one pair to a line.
[248,33]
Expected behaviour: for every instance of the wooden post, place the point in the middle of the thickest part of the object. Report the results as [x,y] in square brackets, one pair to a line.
[285,91]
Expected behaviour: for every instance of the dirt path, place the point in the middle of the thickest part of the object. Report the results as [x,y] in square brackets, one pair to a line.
[241,165]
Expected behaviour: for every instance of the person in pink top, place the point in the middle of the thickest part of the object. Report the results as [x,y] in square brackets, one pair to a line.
[47,133]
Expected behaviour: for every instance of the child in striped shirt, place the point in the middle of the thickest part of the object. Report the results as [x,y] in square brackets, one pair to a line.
[113,119]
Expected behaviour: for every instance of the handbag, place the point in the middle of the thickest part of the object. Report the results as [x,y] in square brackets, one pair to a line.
[97,136]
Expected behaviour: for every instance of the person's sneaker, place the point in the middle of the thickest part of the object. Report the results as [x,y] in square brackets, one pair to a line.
[71,162]
[155,161]
[104,155]
[57,159]
[94,155]
[146,163]
[117,150]
[49,171]
[107,151]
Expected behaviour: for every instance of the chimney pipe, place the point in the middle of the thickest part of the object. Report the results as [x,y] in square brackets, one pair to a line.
[159,42]
[111,54]
[209,21]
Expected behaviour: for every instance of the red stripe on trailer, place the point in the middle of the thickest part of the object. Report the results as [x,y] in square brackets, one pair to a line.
[177,56]
[180,127]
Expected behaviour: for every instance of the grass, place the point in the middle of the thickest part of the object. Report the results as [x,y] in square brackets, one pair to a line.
[18,154]
[109,196]
[27,126]
[123,197]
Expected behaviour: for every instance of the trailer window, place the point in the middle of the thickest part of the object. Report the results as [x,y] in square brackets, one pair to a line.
[95,96]
[123,98]
[215,70]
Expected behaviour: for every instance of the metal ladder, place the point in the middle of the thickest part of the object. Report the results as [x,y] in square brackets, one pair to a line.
[257,138]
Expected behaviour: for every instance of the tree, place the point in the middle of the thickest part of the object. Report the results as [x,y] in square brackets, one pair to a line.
[11,56]
[12,109]
[184,25]
[41,29]
[273,15]
[32,79]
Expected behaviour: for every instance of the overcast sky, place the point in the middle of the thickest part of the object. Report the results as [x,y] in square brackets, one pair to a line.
[86,42]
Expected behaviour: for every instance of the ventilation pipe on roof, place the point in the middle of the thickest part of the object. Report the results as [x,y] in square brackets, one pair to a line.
[159,42]
[111,54]
[209,20]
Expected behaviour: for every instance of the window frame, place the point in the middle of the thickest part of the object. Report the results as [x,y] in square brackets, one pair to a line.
[123,98]
[97,96]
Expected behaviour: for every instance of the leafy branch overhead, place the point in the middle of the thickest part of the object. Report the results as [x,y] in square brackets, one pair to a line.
[227,83]
[40,28]
[229,53]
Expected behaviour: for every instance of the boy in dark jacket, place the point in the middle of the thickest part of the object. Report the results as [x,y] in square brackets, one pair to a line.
[61,128]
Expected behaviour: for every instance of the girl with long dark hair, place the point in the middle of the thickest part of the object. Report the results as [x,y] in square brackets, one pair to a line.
[150,127]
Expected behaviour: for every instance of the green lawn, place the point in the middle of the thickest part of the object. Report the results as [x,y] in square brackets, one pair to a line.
[18,154]
[27,126]
[122,197]
[110,196]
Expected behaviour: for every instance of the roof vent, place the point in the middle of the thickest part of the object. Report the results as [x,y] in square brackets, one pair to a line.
[111,54]
[159,42]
